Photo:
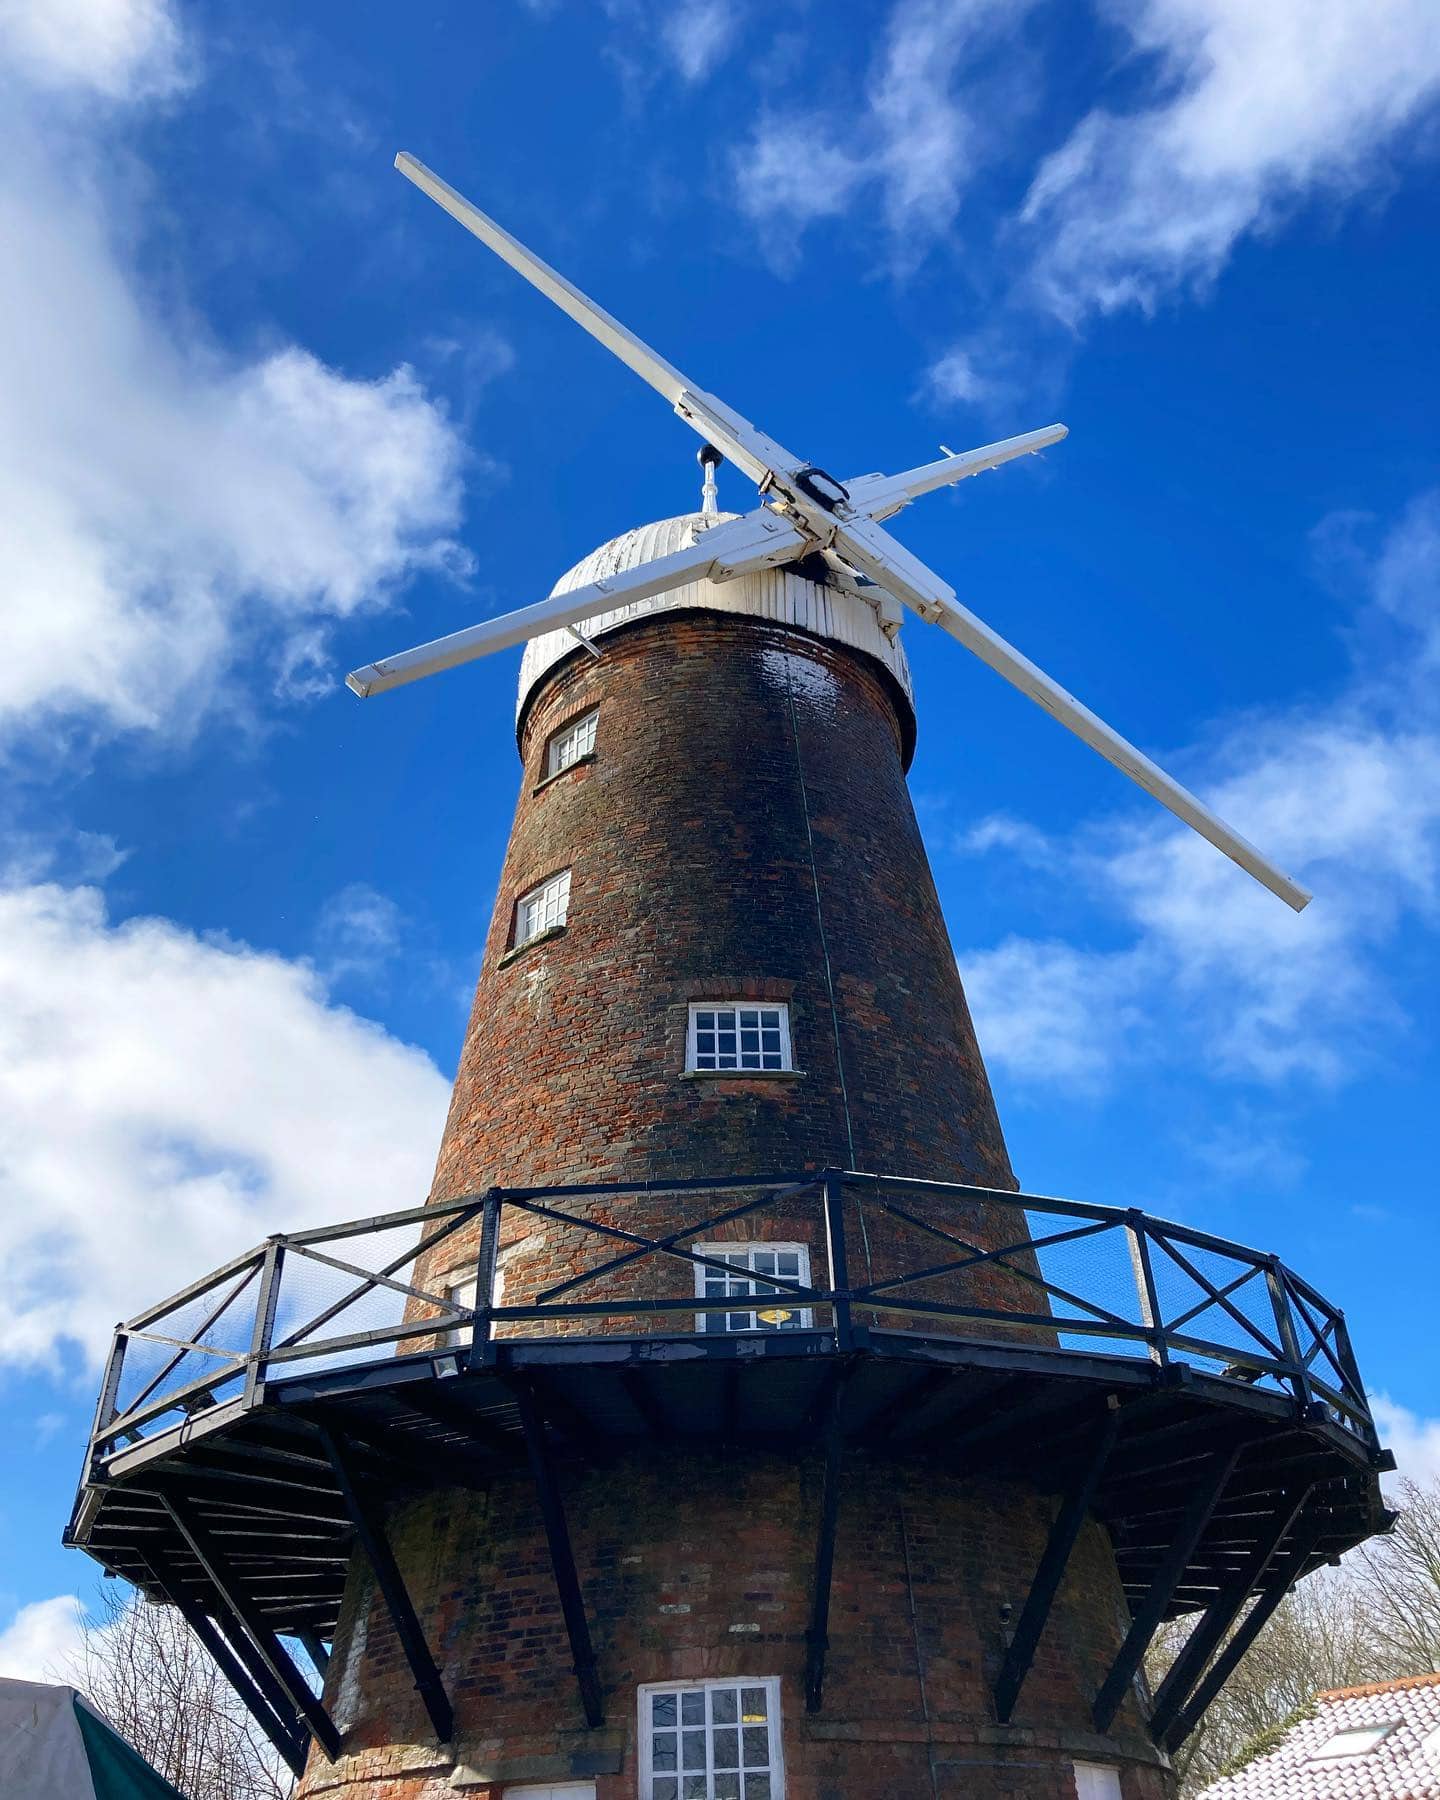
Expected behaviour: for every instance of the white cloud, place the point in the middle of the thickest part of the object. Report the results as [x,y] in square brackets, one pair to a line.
[1346,794]
[43,1639]
[167,1100]
[1415,1440]
[173,510]
[1255,108]
[914,142]
[121,49]
[358,931]
[698,35]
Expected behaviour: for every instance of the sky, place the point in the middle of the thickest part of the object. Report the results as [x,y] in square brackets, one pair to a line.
[266,415]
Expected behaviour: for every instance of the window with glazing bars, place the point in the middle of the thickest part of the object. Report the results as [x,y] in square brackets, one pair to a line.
[747,1265]
[543,908]
[569,745]
[738,1035]
[713,1740]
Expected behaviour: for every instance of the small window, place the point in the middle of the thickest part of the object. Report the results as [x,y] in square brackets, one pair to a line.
[460,1291]
[737,1035]
[744,1278]
[543,908]
[1097,1781]
[711,1740]
[1357,1740]
[568,746]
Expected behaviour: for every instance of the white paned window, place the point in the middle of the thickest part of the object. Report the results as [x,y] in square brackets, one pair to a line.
[738,1035]
[569,745]
[711,1740]
[744,1279]
[1358,1740]
[1097,1781]
[461,1290]
[543,908]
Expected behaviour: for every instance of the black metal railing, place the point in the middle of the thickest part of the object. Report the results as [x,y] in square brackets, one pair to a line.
[995,1266]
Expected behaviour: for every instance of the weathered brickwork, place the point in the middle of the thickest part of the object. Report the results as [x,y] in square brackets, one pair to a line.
[696,1565]
[742,831]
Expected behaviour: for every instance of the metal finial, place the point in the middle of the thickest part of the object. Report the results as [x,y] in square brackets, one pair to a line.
[710,460]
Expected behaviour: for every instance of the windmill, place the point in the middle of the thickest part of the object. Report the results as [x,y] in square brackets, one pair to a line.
[803,512]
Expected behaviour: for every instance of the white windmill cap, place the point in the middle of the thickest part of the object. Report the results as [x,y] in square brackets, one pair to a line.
[783,596]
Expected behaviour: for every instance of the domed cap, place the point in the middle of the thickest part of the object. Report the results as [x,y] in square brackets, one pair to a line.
[784,596]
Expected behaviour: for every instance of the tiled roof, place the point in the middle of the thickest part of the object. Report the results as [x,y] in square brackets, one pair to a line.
[1404,1765]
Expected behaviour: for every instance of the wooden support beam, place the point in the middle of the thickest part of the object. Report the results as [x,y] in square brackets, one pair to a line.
[1069,1520]
[1200,1646]
[637,1392]
[371,1536]
[252,1623]
[1209,1484]
[316,1651]
[562,1556]
[817,1638]
[448,1409]
[1244,1636]
[271,1712]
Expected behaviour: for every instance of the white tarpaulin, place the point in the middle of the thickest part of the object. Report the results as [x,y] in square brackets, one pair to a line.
[55,1746]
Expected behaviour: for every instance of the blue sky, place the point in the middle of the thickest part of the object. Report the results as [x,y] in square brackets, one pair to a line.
[265,414]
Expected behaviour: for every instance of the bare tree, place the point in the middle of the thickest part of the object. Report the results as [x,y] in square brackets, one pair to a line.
[1401,1573]
[144,1669]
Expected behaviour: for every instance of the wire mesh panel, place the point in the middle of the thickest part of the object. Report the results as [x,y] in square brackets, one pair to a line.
[809,1252]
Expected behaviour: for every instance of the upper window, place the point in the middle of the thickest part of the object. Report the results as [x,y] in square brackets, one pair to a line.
[543,908]
[1097,1781]
[711,1740]
[568,746]
[744,1278]
[1358,1740]
[737,1035]
[460,1291]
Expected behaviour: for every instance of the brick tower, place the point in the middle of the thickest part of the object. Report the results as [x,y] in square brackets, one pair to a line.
[726,1426]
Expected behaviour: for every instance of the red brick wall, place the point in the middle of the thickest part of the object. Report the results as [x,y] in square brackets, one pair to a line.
[692,879]
[697,1564]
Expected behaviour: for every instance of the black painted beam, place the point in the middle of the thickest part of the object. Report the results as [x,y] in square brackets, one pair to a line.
[1244,1636]
[372,1540]
[1209,1485]
[817,1637]
[316,1651]
[279,1721]
[231,1592]
[1054,1560]
[562,1555]
[1200,1646]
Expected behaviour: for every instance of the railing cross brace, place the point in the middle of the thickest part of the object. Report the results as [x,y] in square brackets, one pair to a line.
[1069,1521]
[1209,1484]
[562,1556]
[252,1623]
[371,1536]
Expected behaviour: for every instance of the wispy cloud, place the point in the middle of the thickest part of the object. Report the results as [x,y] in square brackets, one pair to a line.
[1414,1439]
[911,146]
[698,34]
[1251,110]
[1346,792]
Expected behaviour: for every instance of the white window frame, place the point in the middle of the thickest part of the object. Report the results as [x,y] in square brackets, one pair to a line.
[1373,1735]
[755,1280]
[550,900]
[708,1009]
[459,1289]
[1096,1781]
[773,1722]
[572,743]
